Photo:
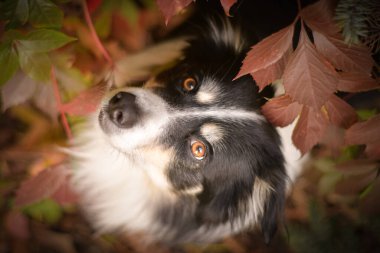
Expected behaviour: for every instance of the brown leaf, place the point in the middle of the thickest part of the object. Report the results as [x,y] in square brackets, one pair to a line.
[171,7]
[307,77]
[17,225]
[86,102]
[310,129]
[366,132]
[281,111]
[42,186]
[340,113]
[266,60]
[227,4]
[64,195]
[320,17]
[353,58]
[356,82]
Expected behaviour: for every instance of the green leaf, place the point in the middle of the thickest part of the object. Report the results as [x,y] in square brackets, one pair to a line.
[45,14]
[35,65]
[44,40]
[45,211]
[366,114]
[130,11]
[103,24]
[8,62]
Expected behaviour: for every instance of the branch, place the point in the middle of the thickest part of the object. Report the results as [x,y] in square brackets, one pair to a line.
[94,35]
[65,123]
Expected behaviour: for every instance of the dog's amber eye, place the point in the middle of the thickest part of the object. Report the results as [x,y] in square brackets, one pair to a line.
[189,84]
[198,149]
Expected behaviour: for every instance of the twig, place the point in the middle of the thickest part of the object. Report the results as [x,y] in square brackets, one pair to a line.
[299,5]
[94,35]
[57,95]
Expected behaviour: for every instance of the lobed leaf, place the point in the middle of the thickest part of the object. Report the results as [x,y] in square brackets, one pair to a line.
[364,132]
[353,58]
[340,113]
[8,62]
[281,111]
[310,129]
[227,4]
[307,78]
[44,40]
[45,14]
[356,82]
[266,60]
[42,186]
[86,102]
[169,8]
[320,17]
[35,65]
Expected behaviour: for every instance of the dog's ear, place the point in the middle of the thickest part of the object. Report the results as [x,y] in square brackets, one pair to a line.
[273,212]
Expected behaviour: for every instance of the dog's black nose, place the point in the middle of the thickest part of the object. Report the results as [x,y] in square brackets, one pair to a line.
[123,110]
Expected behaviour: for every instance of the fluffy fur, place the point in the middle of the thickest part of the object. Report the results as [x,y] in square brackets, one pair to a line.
[139,176]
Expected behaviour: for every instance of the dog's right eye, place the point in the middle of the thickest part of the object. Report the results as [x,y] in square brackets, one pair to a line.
[198,149]
[189,84]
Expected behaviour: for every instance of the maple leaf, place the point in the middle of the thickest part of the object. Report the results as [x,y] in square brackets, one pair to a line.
[310,129]
[366,132]
[227,4]
[266,60]
[42,186]
[307,78]
[356,82]
[320,17]
[353,58]
[169,8]
[86,102]
[340,113]
[281,111]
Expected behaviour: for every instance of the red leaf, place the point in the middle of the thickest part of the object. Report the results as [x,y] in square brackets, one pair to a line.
[64,195]
[266,60]
[310,129]
[17,225]
[86,102]
[281,111]
[227,4]
[352,58]
[320,17]
[356,82]
[93,4]
[171,7]
[365,132]
[373,150]
[340,113]
[42,186]
[307,78]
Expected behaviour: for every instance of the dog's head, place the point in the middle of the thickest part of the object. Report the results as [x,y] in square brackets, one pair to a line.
[208,161]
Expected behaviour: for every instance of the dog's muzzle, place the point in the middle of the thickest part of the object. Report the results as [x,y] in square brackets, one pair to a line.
[123,110]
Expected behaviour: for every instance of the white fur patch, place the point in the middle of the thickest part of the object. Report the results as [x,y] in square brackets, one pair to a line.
[208,92]
[228,35]
[212,132]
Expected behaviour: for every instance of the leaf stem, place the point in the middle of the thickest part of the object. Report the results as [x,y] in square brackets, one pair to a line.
[299,5]
[57,95]
[94,35]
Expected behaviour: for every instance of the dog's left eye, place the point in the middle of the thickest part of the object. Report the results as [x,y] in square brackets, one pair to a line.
[198,149]
[189,84]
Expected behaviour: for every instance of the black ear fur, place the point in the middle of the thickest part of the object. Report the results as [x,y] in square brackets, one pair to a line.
[222,202]
[273,211]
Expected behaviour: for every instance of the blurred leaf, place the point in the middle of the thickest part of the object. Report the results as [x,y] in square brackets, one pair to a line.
[366,190]
[8,62]
[366,114]
[45,14]
[103,24]
[45,211]
[327,183]
[17,224]
[44,40]
[35,65]
[130,11]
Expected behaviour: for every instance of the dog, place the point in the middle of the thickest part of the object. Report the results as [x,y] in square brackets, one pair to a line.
[187,157]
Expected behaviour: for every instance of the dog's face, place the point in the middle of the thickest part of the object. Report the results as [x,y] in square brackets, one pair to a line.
[195,140]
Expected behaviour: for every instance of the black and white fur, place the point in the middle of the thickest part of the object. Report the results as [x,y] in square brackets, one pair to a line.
[141,177]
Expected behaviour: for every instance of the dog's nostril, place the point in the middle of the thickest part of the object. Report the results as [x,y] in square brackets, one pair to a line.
[123,110]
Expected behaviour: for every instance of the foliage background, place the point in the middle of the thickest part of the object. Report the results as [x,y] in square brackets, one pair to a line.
[52,53]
